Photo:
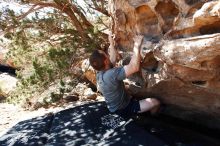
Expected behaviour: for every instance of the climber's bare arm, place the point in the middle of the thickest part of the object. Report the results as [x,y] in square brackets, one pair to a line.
[112,50]
[134,64]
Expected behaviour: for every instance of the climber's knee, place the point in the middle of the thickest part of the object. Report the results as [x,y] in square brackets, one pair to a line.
[148,104]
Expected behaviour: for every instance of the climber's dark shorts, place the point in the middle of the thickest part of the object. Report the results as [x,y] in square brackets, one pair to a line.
[131,109]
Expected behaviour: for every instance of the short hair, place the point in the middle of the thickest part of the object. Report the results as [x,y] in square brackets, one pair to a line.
[97,60]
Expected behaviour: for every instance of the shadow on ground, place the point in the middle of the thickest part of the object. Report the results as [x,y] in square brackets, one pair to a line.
[91,124]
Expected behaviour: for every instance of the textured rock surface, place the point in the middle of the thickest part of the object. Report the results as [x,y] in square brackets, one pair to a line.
[181,53]
[7,84]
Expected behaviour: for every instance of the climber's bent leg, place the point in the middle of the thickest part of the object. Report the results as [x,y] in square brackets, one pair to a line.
[149,104]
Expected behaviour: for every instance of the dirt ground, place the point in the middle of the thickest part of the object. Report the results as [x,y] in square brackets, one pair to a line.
[10,114]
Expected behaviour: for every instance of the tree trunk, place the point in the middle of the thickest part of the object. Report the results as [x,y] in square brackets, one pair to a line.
[181,53]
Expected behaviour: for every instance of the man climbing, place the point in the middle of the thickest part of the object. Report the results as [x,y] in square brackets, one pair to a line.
[110,81]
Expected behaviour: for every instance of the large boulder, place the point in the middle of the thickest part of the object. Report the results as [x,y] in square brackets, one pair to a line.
[7,84]
[180,53]
[3,61]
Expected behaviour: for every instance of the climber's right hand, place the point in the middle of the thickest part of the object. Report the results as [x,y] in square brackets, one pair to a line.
[138,39]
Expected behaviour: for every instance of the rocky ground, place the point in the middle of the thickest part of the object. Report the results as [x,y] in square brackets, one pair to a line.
[12,114]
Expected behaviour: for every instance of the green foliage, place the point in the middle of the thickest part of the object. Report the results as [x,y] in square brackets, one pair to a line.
[54,65]
[43,45]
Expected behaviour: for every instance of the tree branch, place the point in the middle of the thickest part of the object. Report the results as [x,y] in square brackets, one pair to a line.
[64,8]
[32,9]
[100,9]
[81,15]
[29,11]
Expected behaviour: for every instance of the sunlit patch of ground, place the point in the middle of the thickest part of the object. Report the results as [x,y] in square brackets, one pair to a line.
[11,114]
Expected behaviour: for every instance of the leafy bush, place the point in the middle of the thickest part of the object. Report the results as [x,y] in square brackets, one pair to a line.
[44,44]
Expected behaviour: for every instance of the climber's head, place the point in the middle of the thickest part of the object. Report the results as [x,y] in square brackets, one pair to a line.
[99,60]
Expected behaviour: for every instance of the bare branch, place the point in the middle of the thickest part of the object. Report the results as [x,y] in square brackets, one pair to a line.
[70,8]
[98,8]
[32,9]
[64,8]
[101,21]
[81,15]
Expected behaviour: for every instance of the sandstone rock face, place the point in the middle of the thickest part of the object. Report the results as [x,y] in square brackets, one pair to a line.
[88,71]
[3,61]
[180,53]
[7,84]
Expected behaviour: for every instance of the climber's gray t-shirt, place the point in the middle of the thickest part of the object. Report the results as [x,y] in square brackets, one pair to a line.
[110,84]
